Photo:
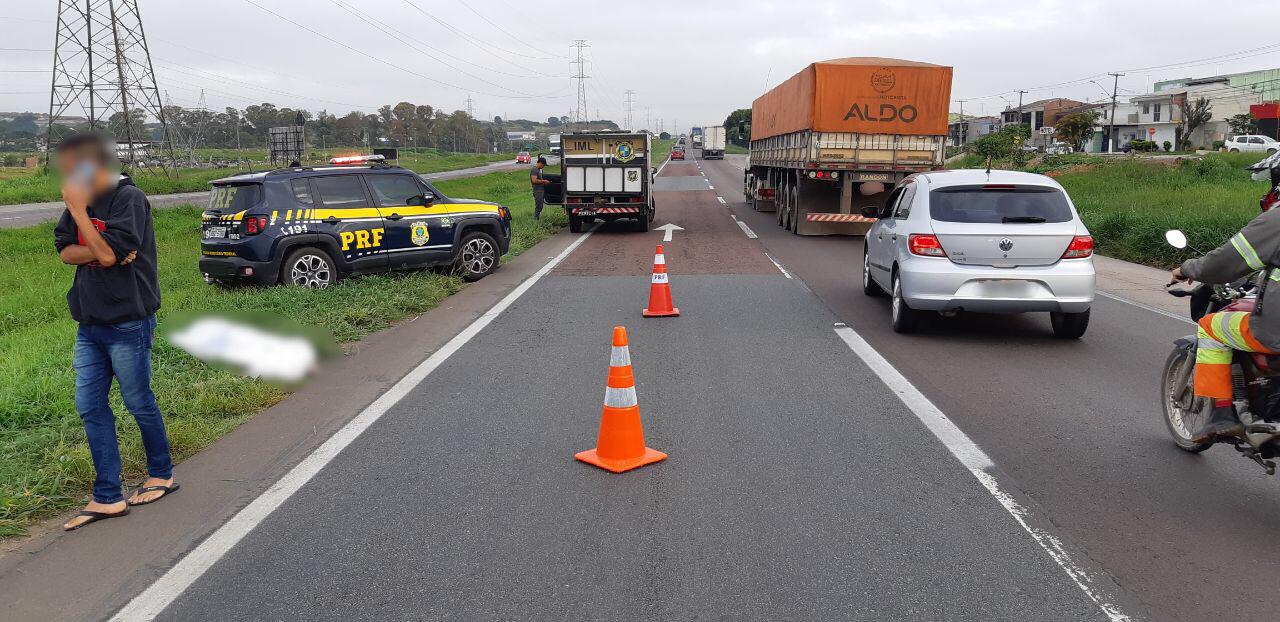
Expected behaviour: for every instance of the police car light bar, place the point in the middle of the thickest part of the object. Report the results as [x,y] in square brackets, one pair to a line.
[357,159]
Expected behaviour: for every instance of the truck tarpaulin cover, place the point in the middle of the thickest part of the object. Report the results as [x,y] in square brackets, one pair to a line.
[865,95]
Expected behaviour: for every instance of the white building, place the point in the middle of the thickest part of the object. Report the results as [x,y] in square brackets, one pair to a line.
[1158,115]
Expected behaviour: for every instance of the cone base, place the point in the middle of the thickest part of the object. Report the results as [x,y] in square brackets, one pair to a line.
[650,456]
[674,312]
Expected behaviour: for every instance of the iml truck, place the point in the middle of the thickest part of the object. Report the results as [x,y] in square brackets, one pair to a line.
[839,135]
[607,176]
[713,143]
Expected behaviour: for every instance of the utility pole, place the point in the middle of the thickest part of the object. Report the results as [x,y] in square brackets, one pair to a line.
[629,123]
[581,77]
[1107,144]
[102,71]
[648,125]
[960,136]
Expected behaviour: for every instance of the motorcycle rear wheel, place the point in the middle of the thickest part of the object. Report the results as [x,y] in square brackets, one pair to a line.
[1184,414]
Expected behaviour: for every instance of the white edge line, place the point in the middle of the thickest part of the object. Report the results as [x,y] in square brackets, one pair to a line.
[976,461]
[1146,306]
[165,590]
[778,264]
[662,166]
[722,201]
[710,187]
[745,229]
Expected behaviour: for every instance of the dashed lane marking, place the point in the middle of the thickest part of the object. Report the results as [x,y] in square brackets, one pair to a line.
[722,201]
[777,264]
[978,463]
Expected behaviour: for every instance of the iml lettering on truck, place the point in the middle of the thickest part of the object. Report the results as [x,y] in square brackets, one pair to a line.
[887,114]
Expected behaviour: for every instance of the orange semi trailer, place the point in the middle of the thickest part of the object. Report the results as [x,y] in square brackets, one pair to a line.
[838,135]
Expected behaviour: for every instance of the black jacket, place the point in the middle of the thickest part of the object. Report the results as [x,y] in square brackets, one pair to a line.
[122,292]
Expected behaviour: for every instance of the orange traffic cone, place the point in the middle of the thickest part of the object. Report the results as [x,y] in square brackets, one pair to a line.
[620,446]
[660,304]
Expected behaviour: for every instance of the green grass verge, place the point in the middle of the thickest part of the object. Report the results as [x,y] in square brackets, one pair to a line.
[44,459]
[1128,203]
[32,186]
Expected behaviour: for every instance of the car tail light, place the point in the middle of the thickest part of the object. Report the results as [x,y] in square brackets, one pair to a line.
[253,225]
[1080,247]
[925,244]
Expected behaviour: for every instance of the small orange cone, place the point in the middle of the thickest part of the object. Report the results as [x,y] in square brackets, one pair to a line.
[620,446]
[660,304]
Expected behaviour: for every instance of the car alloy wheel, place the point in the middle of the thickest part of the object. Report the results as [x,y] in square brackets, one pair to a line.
[478,256]
[310,271]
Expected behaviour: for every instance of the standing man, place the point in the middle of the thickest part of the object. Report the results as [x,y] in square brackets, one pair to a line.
[538,180]
[106,232]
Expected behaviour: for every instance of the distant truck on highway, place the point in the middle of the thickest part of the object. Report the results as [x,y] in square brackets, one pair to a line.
[606,176]
[553,144]
[713,143]
[695,135]
[839,135]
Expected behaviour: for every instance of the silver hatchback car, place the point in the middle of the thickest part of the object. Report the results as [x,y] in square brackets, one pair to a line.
[973,240]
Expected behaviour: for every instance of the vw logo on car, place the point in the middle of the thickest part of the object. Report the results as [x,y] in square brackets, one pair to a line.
[1006,244]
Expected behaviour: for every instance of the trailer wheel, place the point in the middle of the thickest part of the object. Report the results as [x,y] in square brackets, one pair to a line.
[575,224]
[797,216]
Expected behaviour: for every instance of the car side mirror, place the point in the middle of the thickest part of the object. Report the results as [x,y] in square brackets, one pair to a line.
[870,211]
[423,199]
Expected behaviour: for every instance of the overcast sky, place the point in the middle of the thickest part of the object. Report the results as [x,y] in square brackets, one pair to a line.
[689,61]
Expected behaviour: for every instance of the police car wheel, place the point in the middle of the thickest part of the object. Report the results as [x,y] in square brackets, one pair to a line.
[477,257]
[310,268]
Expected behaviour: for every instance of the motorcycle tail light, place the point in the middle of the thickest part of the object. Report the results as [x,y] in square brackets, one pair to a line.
[1080,247]
[926,245]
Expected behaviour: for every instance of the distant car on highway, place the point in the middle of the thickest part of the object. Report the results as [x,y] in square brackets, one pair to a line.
[312,225]
[677,153]
[969,240]
[1252,142]
[523,157]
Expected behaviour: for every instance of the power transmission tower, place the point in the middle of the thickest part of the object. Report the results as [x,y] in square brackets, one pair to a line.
[629,124]
[102,71]
[581,77]
[471,110]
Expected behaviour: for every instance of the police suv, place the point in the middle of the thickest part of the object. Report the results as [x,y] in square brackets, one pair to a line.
[310,226]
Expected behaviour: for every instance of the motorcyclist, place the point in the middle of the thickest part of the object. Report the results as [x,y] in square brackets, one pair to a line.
[1254,248]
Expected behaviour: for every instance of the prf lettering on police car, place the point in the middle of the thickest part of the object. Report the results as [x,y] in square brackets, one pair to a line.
[362,238]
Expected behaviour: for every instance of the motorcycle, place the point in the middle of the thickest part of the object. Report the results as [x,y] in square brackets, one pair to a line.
[1255,377]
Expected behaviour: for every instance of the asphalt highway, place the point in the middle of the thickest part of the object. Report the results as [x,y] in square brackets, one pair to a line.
[27,214]
[807,480]
[1077,426]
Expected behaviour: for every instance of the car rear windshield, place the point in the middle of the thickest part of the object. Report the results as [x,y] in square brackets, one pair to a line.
[999,204]
[234,197]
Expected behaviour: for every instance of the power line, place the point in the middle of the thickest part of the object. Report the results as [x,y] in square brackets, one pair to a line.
[483,45]
[505,31]
[382,60]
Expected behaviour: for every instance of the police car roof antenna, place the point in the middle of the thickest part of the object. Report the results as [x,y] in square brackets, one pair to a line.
[988,168]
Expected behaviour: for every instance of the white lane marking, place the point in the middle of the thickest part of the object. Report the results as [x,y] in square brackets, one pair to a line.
[745,229]
[710,187]
[152,601]
[777,264]
[721,200]
[977,462]
[1147,307]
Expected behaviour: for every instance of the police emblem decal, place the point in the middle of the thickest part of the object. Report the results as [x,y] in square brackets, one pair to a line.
[418,234]
[624,152]
[633,176]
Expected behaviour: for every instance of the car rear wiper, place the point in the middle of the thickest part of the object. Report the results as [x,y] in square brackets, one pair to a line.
[1022,219]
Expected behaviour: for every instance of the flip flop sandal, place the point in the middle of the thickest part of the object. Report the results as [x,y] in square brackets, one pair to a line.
[95,517]
[168,490]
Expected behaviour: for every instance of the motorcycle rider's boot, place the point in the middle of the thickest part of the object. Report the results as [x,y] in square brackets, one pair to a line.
[1222,424]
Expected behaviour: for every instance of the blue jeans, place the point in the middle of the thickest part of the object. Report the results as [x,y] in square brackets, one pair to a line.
[121,351]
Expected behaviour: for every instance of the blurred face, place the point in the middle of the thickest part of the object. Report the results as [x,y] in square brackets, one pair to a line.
[541,164]
[84,166]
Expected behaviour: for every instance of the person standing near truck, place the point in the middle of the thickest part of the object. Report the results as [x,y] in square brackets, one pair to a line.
[539,181]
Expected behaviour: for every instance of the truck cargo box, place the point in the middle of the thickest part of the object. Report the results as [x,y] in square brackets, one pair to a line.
[865,95]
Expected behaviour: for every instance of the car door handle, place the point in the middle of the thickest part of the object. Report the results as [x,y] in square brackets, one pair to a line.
[332,220]
[393,216]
